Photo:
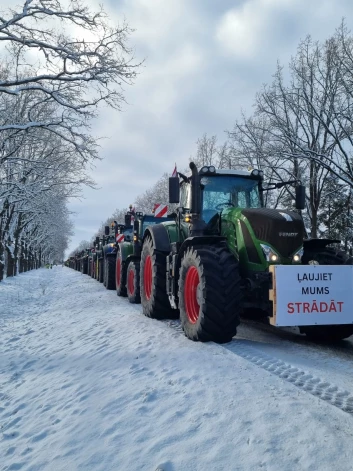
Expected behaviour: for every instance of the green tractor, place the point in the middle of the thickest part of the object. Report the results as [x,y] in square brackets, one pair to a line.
[225,255]
[129,254]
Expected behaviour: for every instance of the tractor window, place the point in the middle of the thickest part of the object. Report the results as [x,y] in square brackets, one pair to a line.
[128,235]
[185,195]
[230,191]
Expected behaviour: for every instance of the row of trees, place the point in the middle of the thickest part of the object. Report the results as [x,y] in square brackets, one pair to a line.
[59,61]
[301,128]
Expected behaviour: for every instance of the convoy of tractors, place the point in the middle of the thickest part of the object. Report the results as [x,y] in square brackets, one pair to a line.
[221,256]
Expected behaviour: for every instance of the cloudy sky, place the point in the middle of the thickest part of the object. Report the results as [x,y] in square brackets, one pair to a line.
[204,62]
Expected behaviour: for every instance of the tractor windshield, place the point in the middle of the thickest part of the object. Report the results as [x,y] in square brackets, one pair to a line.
[226,191]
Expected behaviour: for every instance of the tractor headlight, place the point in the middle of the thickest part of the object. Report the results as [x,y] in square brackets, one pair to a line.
[257,173]
[270,254]
[111,245]
[297,257]
[208,169]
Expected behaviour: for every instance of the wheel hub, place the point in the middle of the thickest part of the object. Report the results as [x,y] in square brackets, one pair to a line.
[131,282]
[192,295]
[147,277]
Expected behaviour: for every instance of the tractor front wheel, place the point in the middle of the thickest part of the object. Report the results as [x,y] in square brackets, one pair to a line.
[101,270]
[110,272]
[154,299]
[120,276]
[133,282]
[209,294]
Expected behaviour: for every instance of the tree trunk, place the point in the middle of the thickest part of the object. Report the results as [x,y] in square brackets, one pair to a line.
[10,269]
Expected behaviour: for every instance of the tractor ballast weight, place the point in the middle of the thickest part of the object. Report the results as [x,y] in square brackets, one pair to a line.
[214,261]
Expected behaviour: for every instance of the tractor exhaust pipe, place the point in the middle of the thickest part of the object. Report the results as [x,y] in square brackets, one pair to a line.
[197,224]
[195,190]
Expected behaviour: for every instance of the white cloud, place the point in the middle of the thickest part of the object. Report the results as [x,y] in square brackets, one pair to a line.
[242,30]
[204,63]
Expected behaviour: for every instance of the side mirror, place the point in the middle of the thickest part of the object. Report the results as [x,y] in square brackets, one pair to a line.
[300,197]
[127,219]
[106,230]
[174,189]
[97,240]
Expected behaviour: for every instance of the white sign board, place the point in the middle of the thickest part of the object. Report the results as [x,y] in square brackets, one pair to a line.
[313,295]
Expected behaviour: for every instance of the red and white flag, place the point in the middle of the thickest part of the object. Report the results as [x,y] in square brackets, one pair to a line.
[160,210]
[175,172]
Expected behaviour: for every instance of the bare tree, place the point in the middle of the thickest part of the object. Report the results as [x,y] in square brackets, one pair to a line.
[306,123]
[79,59]
[60,61]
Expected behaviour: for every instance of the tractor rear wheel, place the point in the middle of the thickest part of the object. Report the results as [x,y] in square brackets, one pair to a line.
[154,299]
[120,275]
[109,278]
[133,282]
[329,333]
[101,268]
[210,294]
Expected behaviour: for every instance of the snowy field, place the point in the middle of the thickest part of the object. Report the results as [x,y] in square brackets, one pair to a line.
[89,383]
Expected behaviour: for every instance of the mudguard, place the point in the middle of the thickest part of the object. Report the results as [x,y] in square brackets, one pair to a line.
[126,249]
[159,236]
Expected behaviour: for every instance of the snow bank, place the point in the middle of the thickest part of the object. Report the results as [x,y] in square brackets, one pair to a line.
[89,383]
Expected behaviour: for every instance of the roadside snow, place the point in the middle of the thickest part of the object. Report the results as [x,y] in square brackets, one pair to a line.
[89,383]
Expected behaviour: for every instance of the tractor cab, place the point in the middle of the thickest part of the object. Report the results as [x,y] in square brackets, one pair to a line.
[210,191]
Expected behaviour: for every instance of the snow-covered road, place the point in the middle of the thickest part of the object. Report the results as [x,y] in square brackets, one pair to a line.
[88,383]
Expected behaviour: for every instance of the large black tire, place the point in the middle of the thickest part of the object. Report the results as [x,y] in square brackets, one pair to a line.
[96,274]
[109,278]
[84,265]
[133,282]
[154,299]
[329,333]
[105,272]
[210,295]
[120,275]
[101,270]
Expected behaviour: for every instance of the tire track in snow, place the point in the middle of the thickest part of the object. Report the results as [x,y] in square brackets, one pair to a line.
[303,380]
[309,383]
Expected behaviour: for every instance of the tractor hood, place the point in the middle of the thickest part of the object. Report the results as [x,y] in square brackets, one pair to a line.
[282,229]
